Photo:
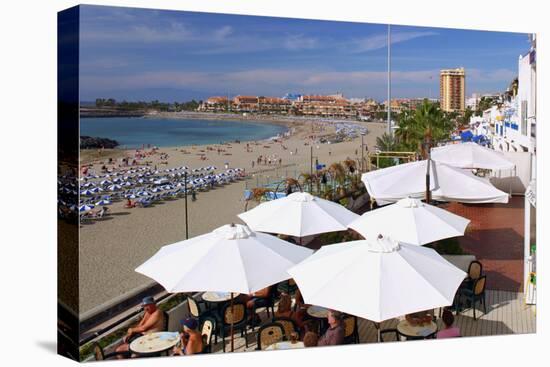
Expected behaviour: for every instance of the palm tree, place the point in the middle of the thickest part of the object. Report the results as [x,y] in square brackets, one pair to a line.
[427,122]
[386,143]
[338,171]
[257,195]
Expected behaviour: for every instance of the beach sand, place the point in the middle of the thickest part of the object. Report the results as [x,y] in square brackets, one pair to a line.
[112,247]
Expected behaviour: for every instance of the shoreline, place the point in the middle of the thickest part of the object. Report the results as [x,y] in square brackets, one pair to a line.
[112,247]
[297,128]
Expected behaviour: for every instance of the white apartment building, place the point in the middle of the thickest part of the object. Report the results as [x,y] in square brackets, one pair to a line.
[515,126]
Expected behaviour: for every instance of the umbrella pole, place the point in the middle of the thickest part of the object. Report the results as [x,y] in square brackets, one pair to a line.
[378,336]
[231,331]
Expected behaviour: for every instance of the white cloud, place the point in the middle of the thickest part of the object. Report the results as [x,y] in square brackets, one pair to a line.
[300,42]
[378,41]
[223,32]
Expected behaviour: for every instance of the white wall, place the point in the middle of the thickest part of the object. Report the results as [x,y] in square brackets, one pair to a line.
[517,181]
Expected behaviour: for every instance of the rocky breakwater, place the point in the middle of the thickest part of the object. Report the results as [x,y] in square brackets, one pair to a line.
[89,142]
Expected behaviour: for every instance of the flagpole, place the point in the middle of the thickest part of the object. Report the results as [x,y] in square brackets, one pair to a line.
[389,82]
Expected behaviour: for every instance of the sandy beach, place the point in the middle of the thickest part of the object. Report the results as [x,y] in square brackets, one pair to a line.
[112,247]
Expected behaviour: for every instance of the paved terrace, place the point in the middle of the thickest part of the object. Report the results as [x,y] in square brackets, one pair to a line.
[495,237]
[506,314]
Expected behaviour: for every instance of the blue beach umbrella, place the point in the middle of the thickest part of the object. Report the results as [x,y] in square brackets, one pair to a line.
[103,202]
[85,208]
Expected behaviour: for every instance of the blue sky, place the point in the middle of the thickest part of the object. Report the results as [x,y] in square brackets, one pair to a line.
[147,54]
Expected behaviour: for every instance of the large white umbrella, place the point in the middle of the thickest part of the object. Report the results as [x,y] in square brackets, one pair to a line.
[377,279]
[447,183]
[410,221]
[232,258]
[298,214]
[471,155]
[244,261]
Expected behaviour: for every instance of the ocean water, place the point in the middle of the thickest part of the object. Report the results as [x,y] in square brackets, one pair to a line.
[134,132]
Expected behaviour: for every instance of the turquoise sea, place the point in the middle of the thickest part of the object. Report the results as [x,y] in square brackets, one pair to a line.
[134,132]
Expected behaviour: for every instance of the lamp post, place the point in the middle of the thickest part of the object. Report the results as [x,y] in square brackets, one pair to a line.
[186,221]
[389,82]
[362,152]
[427,149]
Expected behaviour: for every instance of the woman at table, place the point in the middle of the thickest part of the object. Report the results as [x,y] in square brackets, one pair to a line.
[448,331]
[191,338]
[284,309]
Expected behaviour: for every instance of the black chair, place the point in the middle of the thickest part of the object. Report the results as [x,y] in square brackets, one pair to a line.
[100,355]
[236,315]
[475,271]
[270,333]
[207,329]
[288,324]
[166,320]
[473,295]
[389,332]
[351,334]
[263,302]
[195,309]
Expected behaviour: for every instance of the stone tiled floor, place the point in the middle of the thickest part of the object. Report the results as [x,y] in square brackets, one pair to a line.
[495,237]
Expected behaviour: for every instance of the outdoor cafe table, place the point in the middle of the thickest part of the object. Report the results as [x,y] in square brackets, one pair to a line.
[154,343]
[320,313]
[407,330]
[285,345]
[218,297]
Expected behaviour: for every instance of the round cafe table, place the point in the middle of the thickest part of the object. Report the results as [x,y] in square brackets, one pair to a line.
[154,343]
[318,312]
[409,331]
[218,297]
[321,314]
[285,345]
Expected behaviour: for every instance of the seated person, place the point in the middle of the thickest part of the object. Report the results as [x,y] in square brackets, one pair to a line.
[335,333]
[191,338]
[311,339]
[153,320]
[284,309]
[250,299]
[130,204]
[448,331]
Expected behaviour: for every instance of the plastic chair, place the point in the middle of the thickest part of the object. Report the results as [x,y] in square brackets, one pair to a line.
[208,328]
[270,334]
[476,293]
[267,303]
[100,355]
[389,332]
[288,325]
[236,315]
[351,334]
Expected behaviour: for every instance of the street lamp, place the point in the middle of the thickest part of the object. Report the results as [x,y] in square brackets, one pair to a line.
[186,221]
[427,144]
[362,152]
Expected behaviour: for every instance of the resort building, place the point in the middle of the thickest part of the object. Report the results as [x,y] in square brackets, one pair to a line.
[274,105]
[246,103]
[473,101]
[452,90]
[215,104]
[325,106]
